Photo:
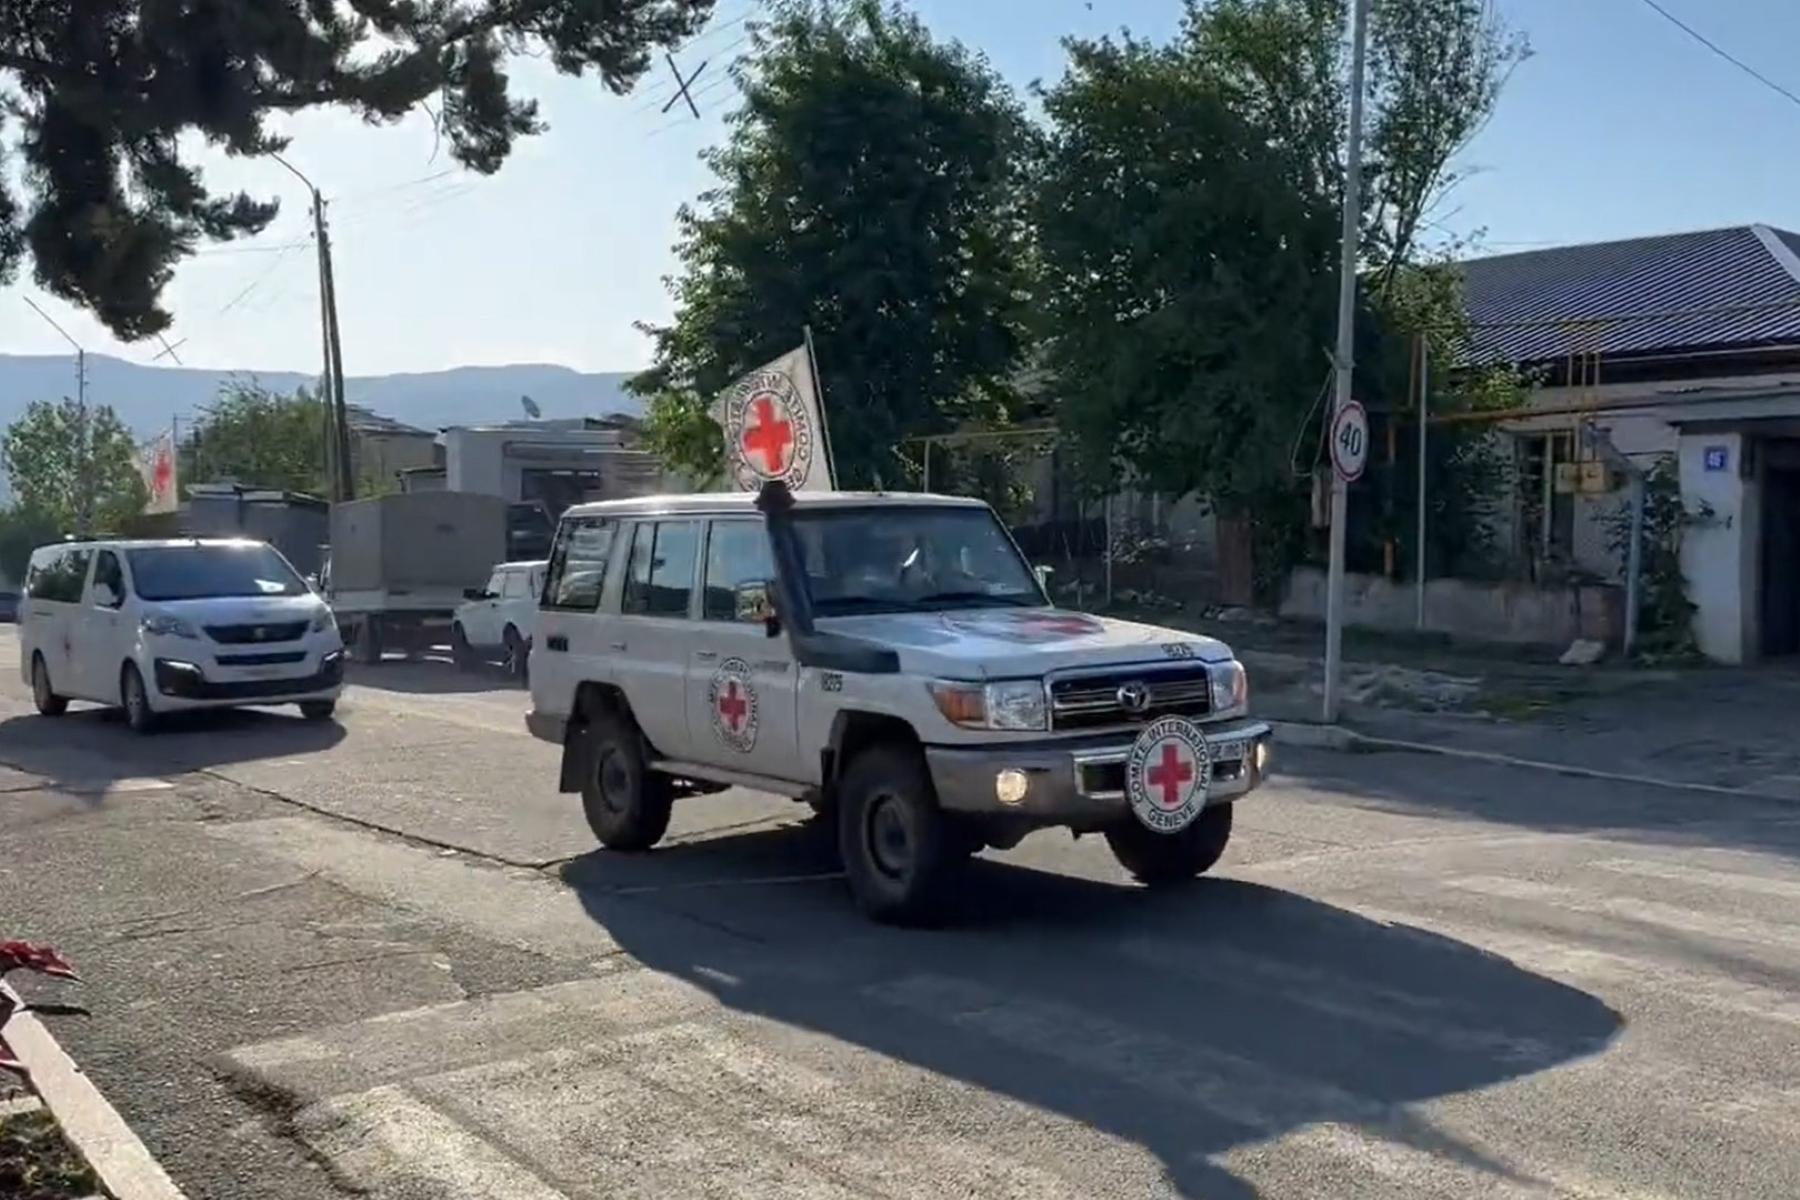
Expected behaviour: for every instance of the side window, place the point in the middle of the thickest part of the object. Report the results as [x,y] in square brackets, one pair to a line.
[661,579]
[737,552]
[108,571]
[495,584]
[40,576]
[578,564]
[73,577]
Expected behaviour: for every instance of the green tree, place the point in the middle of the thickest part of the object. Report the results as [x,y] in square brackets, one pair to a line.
[259,438]
[76,465]
[106,96]
[22,530]
[874,187]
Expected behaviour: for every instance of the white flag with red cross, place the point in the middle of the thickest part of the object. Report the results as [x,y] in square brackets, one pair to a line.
[775,427]
[157,462]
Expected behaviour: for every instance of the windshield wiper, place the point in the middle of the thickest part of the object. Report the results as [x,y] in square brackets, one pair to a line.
[1003,599]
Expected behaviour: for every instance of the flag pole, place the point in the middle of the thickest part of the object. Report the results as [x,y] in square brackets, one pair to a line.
[812,366]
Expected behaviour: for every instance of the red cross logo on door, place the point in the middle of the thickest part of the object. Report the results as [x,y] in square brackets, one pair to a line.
[732,706]
[733,698]
[1170,775]
[768,437]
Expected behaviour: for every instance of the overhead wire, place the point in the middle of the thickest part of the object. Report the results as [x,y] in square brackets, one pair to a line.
[1785,93]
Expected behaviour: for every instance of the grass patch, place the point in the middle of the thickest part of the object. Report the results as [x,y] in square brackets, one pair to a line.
[37,1162]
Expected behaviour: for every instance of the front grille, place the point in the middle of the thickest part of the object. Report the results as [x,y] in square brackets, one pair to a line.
[1092,701]
[262,660]
[256,635]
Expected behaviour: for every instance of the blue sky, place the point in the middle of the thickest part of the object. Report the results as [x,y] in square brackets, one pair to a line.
[1619,125]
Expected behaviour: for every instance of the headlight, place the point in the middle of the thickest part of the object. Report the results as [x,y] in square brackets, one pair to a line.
[323,620]
[164,625]
[1230,688]
[1016,704]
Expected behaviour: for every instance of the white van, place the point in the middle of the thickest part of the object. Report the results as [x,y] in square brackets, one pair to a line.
[164,626]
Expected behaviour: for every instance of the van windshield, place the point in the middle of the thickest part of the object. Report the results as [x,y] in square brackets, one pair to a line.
[211,572]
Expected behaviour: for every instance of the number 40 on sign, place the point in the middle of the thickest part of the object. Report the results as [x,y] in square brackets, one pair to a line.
[1350,442]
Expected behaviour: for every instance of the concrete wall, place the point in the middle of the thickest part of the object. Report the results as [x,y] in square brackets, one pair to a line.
[1519,613]
[1719,549]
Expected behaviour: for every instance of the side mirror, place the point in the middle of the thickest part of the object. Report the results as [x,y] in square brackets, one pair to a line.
[1043,576]
[756,603]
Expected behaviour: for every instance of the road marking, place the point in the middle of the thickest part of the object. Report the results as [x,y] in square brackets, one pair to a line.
[1734,881]
[1632,910]
[385,1139]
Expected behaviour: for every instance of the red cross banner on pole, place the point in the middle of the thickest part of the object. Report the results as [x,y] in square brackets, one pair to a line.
[774,427]
[158,463]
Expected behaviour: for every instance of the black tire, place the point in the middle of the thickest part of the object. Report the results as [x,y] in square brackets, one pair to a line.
[49,704]
[627,805]
[318,710]
[518,655]
[134,698]
[1159,859]
[898,847]
[461,653]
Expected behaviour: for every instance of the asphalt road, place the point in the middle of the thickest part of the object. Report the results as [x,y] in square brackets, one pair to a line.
[383,956]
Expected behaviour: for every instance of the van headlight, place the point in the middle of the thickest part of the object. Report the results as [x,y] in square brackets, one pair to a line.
[1014,704]
[323,620]
[164,625]
[1230,689]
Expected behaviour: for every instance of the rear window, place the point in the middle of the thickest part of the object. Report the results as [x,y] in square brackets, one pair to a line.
[212,572]
[58,576]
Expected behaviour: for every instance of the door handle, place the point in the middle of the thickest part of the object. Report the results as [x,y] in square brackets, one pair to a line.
[706,656]
[619,646]
[557,642]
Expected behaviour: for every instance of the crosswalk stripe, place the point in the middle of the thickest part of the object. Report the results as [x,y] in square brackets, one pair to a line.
[1632,909]
[386,1140]
[1730,881]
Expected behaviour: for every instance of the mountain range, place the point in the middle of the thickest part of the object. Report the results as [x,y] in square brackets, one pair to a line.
[149,398]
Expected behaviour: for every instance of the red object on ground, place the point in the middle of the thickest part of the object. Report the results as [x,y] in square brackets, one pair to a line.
[33,956]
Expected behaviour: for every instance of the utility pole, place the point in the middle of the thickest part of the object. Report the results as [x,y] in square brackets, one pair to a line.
[337,424]
[84,451]
[1346,356]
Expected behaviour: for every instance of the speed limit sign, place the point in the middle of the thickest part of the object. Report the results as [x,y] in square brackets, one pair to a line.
[1350,442]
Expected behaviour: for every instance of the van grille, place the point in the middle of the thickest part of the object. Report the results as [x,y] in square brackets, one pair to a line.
[257,635]
[1091,701]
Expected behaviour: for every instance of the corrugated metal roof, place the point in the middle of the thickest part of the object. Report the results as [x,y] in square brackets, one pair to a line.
[1717,289]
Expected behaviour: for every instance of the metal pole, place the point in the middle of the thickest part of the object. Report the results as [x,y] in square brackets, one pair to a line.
[1634,561]
[812,367]
[927,481]
[1424,418]
[1549,493]
[1106,517]
[340,411]
[1345,358]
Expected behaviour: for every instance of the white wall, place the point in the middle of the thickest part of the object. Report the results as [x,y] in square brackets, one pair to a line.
[1718,551]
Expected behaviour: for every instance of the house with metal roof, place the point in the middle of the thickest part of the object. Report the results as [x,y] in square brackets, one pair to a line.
[1684,346]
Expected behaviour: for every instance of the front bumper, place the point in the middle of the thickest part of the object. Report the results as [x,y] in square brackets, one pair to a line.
[1080,782]
[180,680]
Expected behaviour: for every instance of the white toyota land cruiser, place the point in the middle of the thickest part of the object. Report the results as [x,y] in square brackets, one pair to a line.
[890,659]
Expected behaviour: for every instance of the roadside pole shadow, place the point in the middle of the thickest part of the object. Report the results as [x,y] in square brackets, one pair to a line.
[1189,1023]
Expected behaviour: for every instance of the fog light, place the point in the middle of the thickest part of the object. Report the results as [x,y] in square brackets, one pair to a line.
[1011,785]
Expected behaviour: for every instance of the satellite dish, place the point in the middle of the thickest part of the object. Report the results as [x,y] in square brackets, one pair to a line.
[531,407]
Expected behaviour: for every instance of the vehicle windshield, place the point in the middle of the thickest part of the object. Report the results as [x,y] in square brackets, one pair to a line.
[907,559]
[211,572]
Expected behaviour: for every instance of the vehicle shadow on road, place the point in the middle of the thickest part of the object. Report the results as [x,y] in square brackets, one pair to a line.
[1190,1023]
[87,749]
[431,676]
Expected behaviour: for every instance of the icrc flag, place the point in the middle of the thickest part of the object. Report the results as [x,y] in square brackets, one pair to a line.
[775,427]
[157,464]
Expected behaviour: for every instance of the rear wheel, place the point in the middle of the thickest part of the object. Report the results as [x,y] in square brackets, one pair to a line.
[518,655]
[48,703]
[368,640]
[1159,859]
[134,697]
[897,845]
[627,805]
[461,653]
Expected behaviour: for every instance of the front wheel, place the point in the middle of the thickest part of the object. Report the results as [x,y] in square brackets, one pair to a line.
[1159,859]
[135,699]
[368,640]
[461,653]
[518,655]
[897,845]
[48,703]
[318,710]
[627,805]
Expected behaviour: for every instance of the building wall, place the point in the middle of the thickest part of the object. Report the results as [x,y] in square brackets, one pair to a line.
[382,456]
[1719,549]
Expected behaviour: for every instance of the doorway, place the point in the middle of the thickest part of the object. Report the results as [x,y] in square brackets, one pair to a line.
[1781,549]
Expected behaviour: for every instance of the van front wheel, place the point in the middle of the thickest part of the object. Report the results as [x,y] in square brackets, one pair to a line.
[135,699]
[48,703]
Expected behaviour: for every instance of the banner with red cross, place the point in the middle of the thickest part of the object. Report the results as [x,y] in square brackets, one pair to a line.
[775,427]
[157,463]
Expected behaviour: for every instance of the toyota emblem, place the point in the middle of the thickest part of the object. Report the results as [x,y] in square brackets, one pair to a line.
[1134,697]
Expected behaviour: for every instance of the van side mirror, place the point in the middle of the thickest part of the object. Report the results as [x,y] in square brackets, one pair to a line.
[755,602]
[1043,576]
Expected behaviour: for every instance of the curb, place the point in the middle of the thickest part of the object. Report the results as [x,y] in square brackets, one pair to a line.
[1337,737]
[93,1126]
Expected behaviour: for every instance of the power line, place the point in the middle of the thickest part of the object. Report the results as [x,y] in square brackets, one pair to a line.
[1719,50]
